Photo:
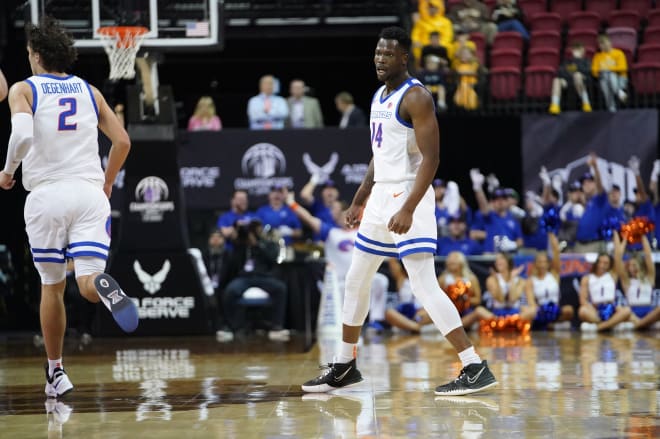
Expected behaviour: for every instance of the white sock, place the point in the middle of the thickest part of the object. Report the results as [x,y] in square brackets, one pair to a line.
[585,97]
[469,356]
[555,100]
[52,364]
[347,352]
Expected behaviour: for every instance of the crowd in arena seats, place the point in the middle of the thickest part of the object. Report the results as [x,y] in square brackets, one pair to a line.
[523,46]
[589,215]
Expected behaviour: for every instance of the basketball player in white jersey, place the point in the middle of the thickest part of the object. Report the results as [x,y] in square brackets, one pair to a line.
[55,121]
[395,208]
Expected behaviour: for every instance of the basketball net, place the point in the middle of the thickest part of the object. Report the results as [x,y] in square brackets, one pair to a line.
[121,44]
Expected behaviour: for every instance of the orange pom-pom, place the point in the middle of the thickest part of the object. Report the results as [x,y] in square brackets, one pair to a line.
[637,227]
[459,293]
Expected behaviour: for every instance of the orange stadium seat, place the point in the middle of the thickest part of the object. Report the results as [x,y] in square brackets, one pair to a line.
[538,81]
[508,40]
[652,34]
[625,18]
[641,6]
[584,20]
[648,53]
[645,78]
[601,7]
[653,18]
[545,38]
[505,58]
[588,38]
[504,83]
[623,37]
[532,7]
[565,7]
[546,21]
[543,56]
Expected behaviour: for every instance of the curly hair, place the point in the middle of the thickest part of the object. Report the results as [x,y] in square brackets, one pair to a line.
[53,44]
[398,34]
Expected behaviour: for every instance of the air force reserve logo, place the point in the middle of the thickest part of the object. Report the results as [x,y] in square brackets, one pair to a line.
[263,166]
[152,282]
[151,195]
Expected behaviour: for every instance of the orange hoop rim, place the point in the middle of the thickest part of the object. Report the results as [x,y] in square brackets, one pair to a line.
[126,36]
[122,31]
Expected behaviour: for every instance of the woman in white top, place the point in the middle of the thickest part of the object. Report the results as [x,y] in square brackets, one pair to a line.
[457,269]
[638,281]
[506,288]
[543,285]
[598,308]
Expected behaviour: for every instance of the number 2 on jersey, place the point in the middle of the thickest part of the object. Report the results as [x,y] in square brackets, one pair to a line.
[71,108]
[376,133]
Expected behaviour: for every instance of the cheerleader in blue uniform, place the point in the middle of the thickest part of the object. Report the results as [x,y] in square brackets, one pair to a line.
[601,308]
[543,285]
[637,278]
[506,289]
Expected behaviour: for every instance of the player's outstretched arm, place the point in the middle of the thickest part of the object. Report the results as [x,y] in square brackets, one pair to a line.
[418,107]
[121,143]
[22,132]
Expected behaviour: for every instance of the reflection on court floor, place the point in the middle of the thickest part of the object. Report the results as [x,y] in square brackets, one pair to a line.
[551,385]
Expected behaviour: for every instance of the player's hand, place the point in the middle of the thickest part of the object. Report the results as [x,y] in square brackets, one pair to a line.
[353,215]
[400,223]
[6,180]
[107,188]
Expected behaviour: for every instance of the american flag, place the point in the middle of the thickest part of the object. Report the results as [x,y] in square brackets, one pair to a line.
[197,29]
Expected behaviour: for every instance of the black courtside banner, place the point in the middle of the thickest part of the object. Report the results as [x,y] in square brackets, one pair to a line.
[563,143]
[213,164]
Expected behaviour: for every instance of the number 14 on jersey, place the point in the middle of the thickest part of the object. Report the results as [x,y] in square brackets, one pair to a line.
[376,133]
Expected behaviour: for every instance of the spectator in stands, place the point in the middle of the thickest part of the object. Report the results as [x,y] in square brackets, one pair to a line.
[433,77]
[249,265]
[321,207]
[338,242]
[505,290]
[458,239]
[637,279]
[534,234]
[571,212]
[588,234]
[3,87]
[472,16]
[214,255]
[458,271]
[278,216]
[502,229]
[611,68]
[267,110]
[434,21]
[466,69]
[204,118]
[543,285]
[653,187]
[351,116]
[424,6]
[304,111]
[642,204]
[509,17]
[238,212]
[575,71]
[462,41]
[214,258]
[434,48]
[601,304]
[448,203]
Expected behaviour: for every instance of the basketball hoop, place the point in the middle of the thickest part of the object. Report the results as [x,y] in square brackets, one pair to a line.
[121,44]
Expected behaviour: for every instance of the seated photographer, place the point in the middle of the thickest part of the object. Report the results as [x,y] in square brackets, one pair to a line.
[250,264]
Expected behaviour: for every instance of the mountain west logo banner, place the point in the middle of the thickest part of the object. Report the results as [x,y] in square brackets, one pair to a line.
[263,165]
[151,195]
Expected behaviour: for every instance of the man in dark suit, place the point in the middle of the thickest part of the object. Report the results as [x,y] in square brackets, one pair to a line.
[352,116]
[304,111]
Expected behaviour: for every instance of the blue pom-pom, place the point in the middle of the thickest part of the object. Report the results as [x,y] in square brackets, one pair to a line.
[606,310]
[547,313]
[550,221]
[608,226]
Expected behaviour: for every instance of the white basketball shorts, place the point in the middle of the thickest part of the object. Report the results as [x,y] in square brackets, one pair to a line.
[386,199]
[67,219]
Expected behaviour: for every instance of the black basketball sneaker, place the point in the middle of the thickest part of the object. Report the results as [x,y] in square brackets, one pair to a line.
[336,375]
[473,378]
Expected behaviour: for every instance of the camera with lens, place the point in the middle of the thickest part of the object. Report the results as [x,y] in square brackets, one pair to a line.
[247,228]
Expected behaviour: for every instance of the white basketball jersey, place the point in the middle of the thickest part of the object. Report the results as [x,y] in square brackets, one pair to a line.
[393,143]
[640,293]
[338,249]
[546,290]
[602,289]
[65,132]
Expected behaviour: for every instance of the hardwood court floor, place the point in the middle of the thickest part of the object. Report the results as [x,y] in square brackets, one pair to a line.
[552,385]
